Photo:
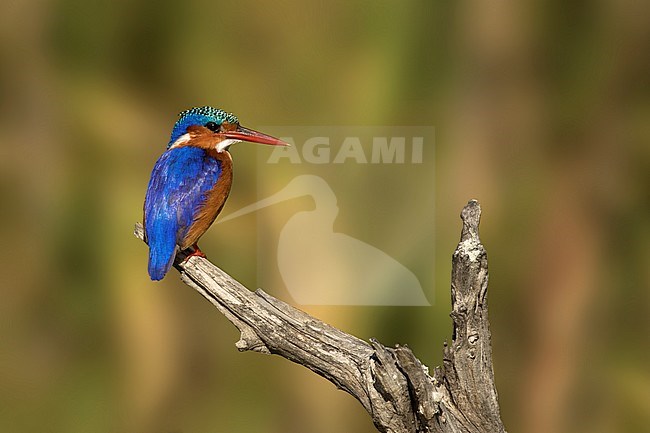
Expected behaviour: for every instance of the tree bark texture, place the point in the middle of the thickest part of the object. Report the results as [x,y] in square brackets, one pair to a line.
[393,386]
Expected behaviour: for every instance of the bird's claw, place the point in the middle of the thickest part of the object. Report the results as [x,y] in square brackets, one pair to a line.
[196,252]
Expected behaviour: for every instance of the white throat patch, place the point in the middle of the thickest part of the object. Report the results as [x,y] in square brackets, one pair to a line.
[225,144]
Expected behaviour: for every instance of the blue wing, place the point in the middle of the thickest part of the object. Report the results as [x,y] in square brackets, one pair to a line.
[179,183]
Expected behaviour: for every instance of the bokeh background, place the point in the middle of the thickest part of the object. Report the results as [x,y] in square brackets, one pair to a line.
[541,112]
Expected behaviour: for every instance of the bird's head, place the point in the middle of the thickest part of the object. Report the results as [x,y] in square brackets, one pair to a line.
[212,128]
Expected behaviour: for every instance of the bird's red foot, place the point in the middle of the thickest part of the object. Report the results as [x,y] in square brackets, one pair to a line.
[197,252]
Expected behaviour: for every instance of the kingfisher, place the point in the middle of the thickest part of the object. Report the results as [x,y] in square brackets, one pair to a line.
[190,183]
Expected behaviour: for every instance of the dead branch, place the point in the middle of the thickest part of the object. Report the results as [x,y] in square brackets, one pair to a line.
[391,383]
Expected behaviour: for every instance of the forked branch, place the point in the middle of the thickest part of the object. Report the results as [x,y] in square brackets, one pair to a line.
[391,383]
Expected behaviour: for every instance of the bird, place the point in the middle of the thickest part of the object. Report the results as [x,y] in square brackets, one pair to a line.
[190,183]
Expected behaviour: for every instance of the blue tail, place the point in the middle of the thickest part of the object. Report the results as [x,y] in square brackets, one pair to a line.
[161,259]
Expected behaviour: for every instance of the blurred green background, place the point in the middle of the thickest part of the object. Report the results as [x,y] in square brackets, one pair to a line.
[541,112]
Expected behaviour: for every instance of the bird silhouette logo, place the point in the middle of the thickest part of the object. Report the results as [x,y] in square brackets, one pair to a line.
[322,267]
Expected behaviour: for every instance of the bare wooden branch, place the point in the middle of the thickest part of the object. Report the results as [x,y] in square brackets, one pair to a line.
[391,383]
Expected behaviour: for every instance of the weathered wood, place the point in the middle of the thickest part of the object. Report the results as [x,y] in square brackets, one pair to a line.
[391,383]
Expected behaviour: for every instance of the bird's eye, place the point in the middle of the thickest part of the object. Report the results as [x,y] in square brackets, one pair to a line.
[212,126]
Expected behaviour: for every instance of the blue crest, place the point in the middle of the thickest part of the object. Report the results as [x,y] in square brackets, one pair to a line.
[199,116]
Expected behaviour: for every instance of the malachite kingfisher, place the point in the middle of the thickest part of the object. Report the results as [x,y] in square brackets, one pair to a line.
[190,183]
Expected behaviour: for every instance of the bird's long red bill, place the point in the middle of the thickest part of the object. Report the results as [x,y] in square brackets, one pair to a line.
[245,134]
